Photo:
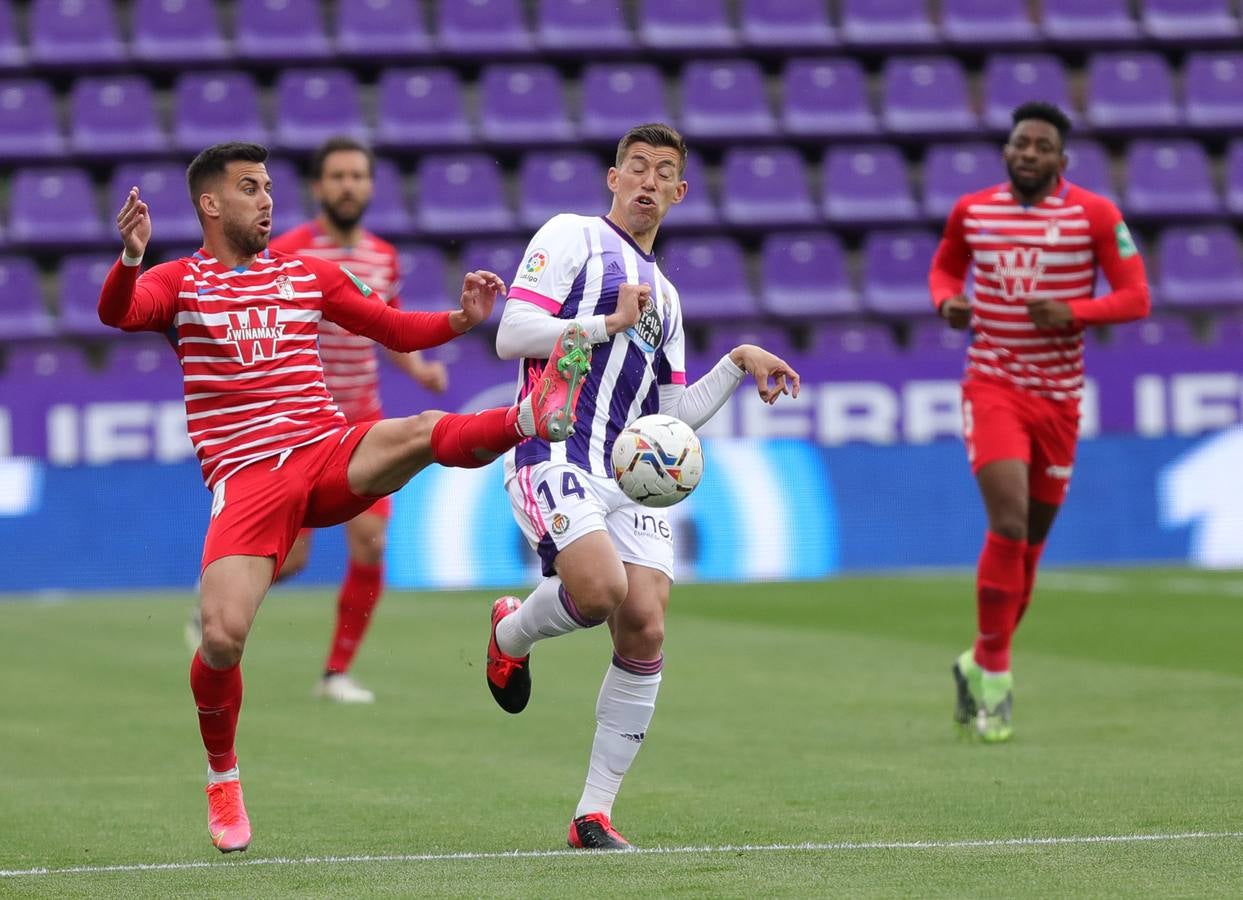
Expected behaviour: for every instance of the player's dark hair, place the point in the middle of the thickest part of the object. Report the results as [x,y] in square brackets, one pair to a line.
[211,163]
[336,145]
[655,134]
[1045,112]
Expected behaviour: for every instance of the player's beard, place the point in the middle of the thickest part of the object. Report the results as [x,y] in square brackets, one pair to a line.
[246,240]
[343,221]
[1030,186]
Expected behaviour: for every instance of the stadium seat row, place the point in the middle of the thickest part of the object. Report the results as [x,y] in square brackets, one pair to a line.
[525,104]
[88,33]
[800,275]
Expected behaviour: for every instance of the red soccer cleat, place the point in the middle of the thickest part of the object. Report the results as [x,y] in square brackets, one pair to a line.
[226,816]
[556,389]
[509,677]
[594,831]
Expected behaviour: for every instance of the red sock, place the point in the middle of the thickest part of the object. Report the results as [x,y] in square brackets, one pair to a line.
[1031,559]
[218,696]
[360,592]
[999,588]
[468,442]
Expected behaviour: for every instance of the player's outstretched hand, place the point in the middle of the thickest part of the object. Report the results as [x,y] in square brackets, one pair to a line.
[479,291]
[773,375]
[1050,313]
[632,299]
[957,311]
[432,375]
[134,224]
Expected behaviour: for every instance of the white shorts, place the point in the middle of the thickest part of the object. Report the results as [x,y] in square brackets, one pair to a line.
[557,503]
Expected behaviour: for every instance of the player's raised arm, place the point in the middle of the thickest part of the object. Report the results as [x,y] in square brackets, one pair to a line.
[130,302]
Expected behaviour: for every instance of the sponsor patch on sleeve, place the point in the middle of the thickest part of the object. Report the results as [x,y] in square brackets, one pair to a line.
[1126,244]
[533,266]
[358,282]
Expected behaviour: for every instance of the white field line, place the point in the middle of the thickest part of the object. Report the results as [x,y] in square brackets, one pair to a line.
[647,851]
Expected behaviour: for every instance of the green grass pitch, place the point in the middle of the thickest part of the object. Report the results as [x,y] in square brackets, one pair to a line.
[802,746]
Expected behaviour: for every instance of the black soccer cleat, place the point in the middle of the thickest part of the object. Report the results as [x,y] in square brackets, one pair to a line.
[509,677]
[594,831]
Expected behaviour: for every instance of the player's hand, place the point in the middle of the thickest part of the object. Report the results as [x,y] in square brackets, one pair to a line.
[1050,313]
[431,375]
[957,311]
[479,291]
[632,299]
[773,375]
[134,224]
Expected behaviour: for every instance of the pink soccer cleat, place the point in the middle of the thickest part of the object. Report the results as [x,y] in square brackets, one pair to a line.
[226,816]
[509,677]
[594,831]
[556,389]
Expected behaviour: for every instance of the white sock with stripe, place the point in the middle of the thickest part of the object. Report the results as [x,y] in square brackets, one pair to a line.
[547,612]
[623,713]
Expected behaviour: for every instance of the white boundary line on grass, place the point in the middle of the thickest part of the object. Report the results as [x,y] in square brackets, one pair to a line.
[648,851]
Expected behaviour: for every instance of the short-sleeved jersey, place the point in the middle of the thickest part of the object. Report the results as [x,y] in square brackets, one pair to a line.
[1049,250]
[351,369]
[573,268]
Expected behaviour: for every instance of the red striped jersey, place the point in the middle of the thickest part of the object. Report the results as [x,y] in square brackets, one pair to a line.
[351,369]
[247,340]
[1049,250]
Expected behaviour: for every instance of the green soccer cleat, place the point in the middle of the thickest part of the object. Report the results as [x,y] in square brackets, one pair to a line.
[967,675]
[992,721]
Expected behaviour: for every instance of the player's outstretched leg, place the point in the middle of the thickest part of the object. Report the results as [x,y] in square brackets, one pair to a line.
[509,677]
[594,831]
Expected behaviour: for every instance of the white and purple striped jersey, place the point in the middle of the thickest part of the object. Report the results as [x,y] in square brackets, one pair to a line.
[572,269]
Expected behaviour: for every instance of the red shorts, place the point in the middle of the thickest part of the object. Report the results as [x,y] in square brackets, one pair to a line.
[382,508]
[1000,422]
[258,510]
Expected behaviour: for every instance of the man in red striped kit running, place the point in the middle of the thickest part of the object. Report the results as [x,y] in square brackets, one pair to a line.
[276,452]
[1035,243]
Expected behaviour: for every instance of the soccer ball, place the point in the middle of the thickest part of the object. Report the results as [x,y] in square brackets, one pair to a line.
[657,460]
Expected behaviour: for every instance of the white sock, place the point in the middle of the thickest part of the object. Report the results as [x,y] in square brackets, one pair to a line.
[214,777]
[526,417]
[623,712]
[543,614]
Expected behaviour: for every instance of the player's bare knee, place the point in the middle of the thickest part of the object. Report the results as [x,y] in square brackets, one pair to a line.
[223,642]
[597,594]
[1011,527]
[419,429]
[368,552]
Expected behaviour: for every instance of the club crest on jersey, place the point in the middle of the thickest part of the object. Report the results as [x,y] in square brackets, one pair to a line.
[1019,269]
[1052,232]
[255,333]
[284,287]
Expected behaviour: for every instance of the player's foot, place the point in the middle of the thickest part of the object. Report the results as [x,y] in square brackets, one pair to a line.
[341,688]
[967,674]
[509,677]
[193,632]
[227,821]
[992,721]
[594,831]
[555,393]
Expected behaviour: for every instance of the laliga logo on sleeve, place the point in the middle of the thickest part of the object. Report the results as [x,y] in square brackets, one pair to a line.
[533,267]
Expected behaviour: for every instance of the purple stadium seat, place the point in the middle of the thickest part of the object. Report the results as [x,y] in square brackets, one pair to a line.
[698,208]
[887,23]
[22,313]
[389,214]
[773,338]
[115,116]
[54,207]
[500,256]
[461,194]
[711,277]
[1213,85]
[289,202]
[46,361]
[895,272]
[523,104]
[617,96]
[1190,20]
[81,278]
[1227,329]
[425,277]
[867,184]
[767,186]
[834,340]
[181,32]
[368,30]
[988,22]
[468,25]
[1010,80]
[951,170]
[725,99]
[1088,167]
[1200,266]
[28,126]
[280,31]
[552,183]
[75,33]
[805,274]
[934,337]
[143,356]
[216,106]
[926,95]
[1089,22]
[1159,329]
[786,24]
[826,98]
[685,25]
[421,108]
[1234,177]
[313,105]
[12,50]
[1169,178]
[163,187]
[575,24]
[1130,91]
